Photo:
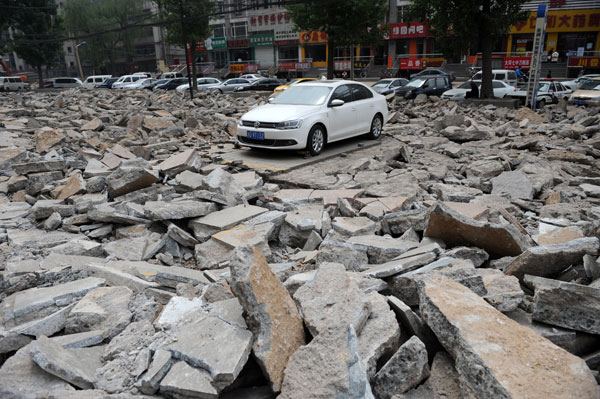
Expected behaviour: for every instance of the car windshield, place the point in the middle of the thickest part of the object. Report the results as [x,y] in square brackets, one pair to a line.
[591,85]
[382,83]
[544,87]
[416,83]
[467,85]
[303,95]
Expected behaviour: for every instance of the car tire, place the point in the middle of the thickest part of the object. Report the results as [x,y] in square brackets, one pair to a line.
[316,140]
[220,91]
[376,128]
[541,104]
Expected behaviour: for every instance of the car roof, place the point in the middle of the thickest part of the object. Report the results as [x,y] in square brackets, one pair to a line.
[331,83]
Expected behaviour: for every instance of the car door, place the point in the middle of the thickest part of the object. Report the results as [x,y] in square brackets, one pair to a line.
[498,88]
[342,119]
[362,98]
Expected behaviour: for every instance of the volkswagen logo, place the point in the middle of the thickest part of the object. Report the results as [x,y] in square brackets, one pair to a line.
[256,125]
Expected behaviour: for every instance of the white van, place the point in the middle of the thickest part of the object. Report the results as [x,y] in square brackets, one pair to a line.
[94,81]
[66,83]
[169,75]
[126,79]
[8,83]
[508,76]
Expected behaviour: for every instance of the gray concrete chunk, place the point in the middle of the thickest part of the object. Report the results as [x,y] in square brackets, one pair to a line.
[150,381]
[188,382]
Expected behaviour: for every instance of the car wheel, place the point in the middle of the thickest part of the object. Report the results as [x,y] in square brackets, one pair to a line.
[376,127]
[316,140]
[220,91]
[541,104]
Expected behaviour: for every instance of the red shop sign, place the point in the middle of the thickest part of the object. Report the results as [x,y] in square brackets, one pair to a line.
[585,62]
[407,30]
[412,63]
[514,62]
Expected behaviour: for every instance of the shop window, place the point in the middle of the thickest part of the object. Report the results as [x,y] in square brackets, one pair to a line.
[318,52]
[239,29]
[288,52]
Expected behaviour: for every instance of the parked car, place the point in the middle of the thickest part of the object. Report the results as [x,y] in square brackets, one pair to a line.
[95,81]
[140,84]
[11,83]
[229,85]
[501,90]
[171,84]
[66,83]
[125,80]
[428,85]
[169,75]
[144,74]
[156,83]
[312,115]
[548,92]
[577,83]
[49,84]
[389,86]
[587,94]
[267,84]
[201,82]
[434,72]
[506,75]
[252,76]
[293,83]
[108,83]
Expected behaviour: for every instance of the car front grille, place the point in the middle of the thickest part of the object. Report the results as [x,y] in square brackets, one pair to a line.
[264,125]
[267,142]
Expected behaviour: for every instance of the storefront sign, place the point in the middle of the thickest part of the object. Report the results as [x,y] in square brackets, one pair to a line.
[563,21]
[313,37]
[294,66]
[406,30]
[412,63]
[264,40]
[287,42]
[237,43]
[584,62]
[268,20]
[215,43]
[344,65]
[286,34]
[243,68]
[514,62]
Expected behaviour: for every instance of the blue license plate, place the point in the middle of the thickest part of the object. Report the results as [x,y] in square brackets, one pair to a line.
[256,135]
[580,102]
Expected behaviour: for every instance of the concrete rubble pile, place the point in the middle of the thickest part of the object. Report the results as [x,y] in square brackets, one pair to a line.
[457,258]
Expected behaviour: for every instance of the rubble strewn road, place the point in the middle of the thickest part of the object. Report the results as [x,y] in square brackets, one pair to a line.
[457,257]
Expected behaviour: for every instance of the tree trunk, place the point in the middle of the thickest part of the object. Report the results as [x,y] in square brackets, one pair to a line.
[485,38]
[352,49]
[40,76]
[194,69]
[330,54]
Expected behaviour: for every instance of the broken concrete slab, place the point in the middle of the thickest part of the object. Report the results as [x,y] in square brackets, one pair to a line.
[547,260]
[47,326]
[227,218]
[444,379]
[175,164]
[401,265]
[353,226]
[271,313]
[404,371]
[380,336]
[334,350]
[503,292]
[515,185]
[455,229]
[149,382]
[175,210]
[56,360]
[252,236]
[495,356]
[128,179]
[332,300]
[186,381]
[382,249]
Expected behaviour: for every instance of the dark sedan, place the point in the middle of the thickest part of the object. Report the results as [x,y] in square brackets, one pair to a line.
[261,85]
[434,72]
[108,83]
[172,84]
[428,85]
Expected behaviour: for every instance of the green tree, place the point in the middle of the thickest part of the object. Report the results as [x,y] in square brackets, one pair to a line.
[467,23]
[111,24]
[193,26]
[36,28]
[346,22]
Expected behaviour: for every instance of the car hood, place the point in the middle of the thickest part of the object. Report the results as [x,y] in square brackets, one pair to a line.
[454,92]
[379,89]
[406,89]
[279,112]
[586,93]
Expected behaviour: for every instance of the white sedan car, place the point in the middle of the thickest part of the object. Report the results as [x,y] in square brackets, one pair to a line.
[313,114]
[140,84]
[201,82]
[501,90]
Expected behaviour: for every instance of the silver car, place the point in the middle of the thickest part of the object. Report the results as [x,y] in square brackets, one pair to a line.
[388,86]
[229,85]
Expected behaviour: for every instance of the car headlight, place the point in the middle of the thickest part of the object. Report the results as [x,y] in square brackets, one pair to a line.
[289,125]
[240,123]
[408,94]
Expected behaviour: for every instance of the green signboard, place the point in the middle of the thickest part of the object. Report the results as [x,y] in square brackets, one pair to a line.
[215,43]
[261,40]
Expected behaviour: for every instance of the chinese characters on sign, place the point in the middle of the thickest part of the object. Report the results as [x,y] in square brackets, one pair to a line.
[514,62]
[585,62]
[562,21]
[269,20]
[344,65]
[243,68]
[313,37]
[237,43]
[294,66]
[407,30]
[412,63]
[261,40]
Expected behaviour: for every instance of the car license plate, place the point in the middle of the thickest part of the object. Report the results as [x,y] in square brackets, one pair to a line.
[256,135]
[580,102]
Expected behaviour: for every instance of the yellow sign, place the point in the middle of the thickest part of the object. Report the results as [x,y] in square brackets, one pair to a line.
[313,37]
[237,68]
[562,21]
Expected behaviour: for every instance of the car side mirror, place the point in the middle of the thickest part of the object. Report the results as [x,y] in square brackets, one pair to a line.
[336,103]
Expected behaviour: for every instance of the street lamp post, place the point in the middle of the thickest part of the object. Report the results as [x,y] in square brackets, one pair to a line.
[78,60]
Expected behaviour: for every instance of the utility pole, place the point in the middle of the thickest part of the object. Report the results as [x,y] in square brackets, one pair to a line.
[78,59]
[185,48]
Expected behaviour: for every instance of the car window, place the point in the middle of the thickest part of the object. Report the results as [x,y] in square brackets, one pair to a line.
[512,76]
[477,76]
[303,95]
[396,83]
[360,92]
[497,85]
[342,93]
[500,76]
[440,82]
